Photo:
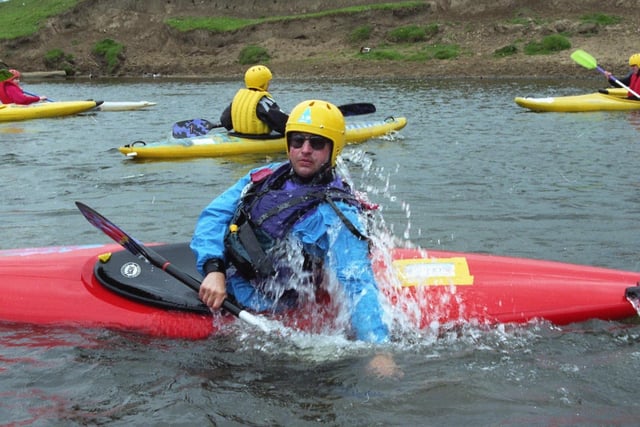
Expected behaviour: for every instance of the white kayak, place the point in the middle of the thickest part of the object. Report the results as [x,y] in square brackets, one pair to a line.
[124,105]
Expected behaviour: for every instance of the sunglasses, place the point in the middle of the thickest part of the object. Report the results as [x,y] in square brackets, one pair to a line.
[317,142]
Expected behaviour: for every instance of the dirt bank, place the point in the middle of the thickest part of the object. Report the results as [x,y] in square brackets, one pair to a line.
[321,47]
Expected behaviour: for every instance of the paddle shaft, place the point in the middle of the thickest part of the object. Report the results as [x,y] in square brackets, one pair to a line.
[35,94]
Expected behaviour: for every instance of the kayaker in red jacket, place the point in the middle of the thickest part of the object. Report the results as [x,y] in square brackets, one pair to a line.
[12,93]
[632,80]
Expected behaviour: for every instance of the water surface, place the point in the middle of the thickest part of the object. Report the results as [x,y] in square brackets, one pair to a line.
[472,172]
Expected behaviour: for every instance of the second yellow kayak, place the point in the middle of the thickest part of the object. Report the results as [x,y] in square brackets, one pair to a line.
[612,100]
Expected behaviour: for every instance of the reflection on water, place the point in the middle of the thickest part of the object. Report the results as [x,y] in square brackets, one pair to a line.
[472,171]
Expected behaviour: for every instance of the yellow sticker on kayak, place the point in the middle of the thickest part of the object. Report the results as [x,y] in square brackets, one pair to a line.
[433,271]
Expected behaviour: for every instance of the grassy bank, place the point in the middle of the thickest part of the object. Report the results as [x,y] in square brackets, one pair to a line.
[19,18]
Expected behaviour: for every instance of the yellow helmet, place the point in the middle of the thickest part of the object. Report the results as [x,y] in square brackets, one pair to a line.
[634,59]
[257,77]
[319,118]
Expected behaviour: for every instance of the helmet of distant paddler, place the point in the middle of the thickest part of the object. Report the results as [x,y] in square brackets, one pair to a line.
[257,77]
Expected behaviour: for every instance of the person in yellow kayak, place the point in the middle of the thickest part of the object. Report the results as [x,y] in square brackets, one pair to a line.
[253,110]
[291,234]
[12,93]
[632,80]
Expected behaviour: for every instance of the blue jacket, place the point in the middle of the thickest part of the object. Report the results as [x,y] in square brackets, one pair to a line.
[344,254]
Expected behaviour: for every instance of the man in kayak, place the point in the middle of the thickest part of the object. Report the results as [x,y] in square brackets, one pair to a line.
[288,232]
[12,93]
[632,80]
[253,110]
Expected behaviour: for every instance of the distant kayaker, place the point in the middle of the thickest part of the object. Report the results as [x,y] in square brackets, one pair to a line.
[12,93]
[253,110]
[291,233]
[632,80]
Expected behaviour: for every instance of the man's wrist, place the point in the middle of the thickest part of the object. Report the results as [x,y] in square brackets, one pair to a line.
[215,265]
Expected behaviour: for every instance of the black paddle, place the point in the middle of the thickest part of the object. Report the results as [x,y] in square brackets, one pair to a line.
[357,109]
[199,127]
[154,258]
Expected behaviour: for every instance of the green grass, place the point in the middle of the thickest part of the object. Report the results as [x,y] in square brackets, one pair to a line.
[110,50]
[407,53]
[505,51]
[549,44]
[20,18]
[360,34]
[601,19]
[407,34]
[222,24]
[253,54]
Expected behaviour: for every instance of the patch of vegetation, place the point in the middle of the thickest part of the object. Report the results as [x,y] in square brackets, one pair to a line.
[436,51]
[385,54]
[549,44]
[56,59]
[408,34]
[19,18]
[222,24]
[505,51]
[110,52]
[519,21]
[601,19]
[360,34]
[214,24]
[253,54]
[442,51]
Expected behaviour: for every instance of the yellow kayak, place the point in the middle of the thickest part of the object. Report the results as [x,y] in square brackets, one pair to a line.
[40,110]
[221,144]
[606,100]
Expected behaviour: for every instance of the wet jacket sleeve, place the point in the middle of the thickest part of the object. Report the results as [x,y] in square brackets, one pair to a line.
[225,118]
[348,258]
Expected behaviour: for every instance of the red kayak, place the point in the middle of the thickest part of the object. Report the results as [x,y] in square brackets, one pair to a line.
[105,286]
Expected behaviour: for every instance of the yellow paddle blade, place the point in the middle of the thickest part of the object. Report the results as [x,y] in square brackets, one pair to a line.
[584,59]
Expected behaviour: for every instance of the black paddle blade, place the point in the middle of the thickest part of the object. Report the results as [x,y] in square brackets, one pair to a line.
[357,109]
[135,247]
[193,127]
[113,231]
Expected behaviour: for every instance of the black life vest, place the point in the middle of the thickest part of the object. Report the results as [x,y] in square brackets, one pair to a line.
[270,207]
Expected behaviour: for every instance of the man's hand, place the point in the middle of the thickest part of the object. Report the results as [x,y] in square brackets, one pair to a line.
[213,290]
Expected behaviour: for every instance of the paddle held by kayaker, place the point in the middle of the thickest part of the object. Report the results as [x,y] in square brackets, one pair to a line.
[632,80]
[290,234]
[12,93]
[253,110]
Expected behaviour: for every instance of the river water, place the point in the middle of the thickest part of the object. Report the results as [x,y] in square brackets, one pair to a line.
[471,172]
